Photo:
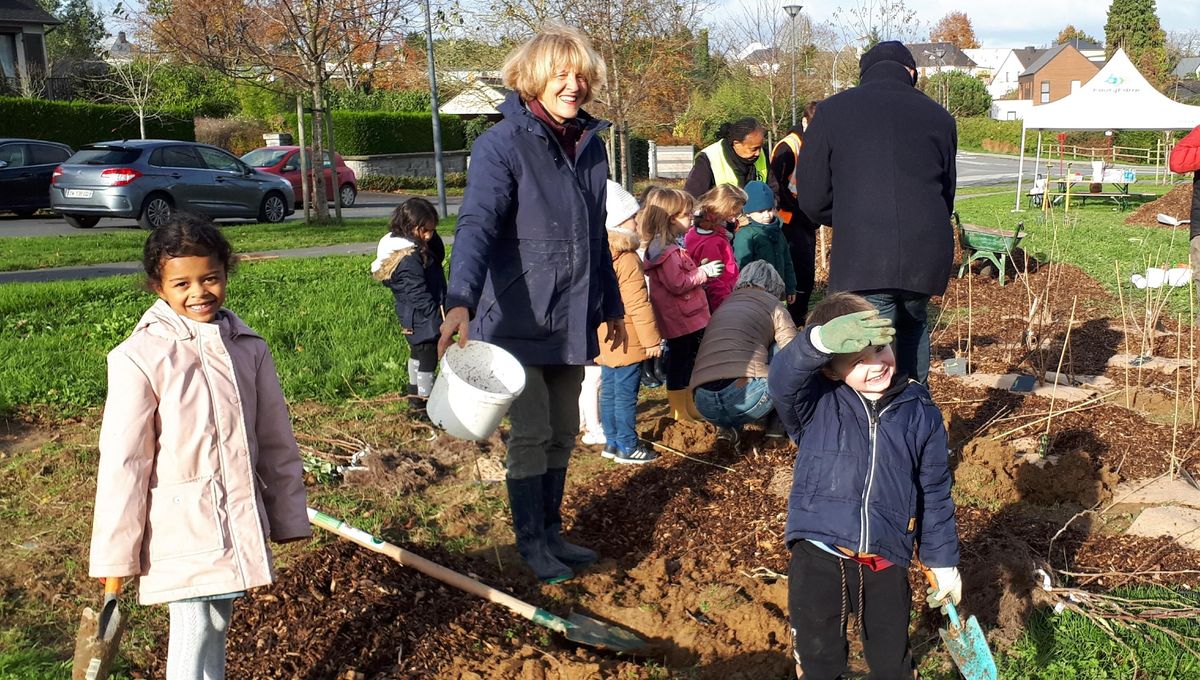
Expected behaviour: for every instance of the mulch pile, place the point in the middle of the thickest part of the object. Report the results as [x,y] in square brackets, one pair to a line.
[1177,203]
[694,546]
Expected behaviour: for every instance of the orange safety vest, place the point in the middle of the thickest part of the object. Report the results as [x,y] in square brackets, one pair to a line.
[792,141]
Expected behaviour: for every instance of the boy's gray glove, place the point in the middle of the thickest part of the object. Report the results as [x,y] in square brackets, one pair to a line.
[852,333]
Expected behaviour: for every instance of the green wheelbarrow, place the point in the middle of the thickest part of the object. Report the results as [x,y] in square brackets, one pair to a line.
[980,243]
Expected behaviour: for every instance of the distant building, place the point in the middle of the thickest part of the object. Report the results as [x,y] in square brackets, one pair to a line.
[1060,71]
[480,98]
[1004,79]
[23,25]
[1188,69]
[940,57]
[120,51]
[761,60]
[1093,52]
[987,60]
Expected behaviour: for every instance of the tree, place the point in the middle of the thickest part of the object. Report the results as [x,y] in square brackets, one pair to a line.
[955,28]
[959,92]
[1072,34]
[874,21]
[1133,25]
[293,46]
[78,37]
[131,83]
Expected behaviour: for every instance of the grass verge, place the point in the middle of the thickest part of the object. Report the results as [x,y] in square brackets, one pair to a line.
[42,252]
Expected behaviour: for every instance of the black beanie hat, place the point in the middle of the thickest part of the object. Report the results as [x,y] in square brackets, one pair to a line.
[889,50]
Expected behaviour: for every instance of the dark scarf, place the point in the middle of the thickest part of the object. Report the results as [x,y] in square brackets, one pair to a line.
[742,167]
[567,133]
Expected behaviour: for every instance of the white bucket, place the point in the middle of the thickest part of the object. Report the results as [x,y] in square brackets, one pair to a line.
[476,386]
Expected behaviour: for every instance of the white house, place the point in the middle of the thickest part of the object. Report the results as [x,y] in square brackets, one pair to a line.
[1004,78]
[1188,69]
[479,98]
[987,60]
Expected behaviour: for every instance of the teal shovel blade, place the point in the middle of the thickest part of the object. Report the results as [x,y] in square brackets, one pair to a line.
[968,647]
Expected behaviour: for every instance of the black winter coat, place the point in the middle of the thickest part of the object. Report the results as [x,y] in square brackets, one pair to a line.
[420,291]
[873,482]
[877,165]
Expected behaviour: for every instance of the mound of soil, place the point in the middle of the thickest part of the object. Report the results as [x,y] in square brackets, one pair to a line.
[1177,203]
[992,472]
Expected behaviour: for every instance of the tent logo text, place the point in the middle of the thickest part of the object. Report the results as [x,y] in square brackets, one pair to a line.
[1114,79]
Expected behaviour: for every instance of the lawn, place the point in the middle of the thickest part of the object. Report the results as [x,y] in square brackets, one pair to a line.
[84,248]
[331,327]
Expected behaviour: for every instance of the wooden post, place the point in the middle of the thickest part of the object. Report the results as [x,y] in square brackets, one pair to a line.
[336,188]
[305,191]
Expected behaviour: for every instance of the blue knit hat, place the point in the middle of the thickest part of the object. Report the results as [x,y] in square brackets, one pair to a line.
[758,197]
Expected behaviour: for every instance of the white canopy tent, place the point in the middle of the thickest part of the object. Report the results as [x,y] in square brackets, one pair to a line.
[1116,98]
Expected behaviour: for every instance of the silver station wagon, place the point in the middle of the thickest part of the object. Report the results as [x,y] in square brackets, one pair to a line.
[148,179]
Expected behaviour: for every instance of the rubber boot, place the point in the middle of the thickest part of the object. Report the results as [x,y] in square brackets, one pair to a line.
[678,401]
[572,555]
[690,403]
[529,524]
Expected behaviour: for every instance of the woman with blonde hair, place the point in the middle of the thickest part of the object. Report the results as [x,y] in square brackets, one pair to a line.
[531,272]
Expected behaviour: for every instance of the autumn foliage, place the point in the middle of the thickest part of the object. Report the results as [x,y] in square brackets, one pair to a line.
[955,28]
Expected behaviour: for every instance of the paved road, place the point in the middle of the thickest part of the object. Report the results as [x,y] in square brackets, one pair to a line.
[369,204]
[976,169]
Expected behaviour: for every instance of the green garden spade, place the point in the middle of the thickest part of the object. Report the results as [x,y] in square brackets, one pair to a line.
[965,641]
[576,628]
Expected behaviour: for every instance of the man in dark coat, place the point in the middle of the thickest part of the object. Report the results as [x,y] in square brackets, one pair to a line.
[877,165]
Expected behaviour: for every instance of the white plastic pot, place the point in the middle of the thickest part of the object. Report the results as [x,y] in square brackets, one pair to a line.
[1155,277]
[1179,276]
[474,389]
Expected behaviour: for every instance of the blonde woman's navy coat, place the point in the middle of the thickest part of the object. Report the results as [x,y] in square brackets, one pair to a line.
[530,258]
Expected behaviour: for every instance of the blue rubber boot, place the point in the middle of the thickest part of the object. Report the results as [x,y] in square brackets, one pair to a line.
[525,499]
[573,555]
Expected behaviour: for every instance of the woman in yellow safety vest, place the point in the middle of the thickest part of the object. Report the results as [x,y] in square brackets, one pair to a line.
[735,158]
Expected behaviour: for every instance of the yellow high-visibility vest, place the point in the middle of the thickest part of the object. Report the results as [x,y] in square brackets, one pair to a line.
[723,172]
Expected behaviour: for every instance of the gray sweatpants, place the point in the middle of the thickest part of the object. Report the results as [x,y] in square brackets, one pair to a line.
[545,420]
[196,650]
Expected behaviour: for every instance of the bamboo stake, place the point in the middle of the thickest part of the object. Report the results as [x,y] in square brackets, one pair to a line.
[1124,331]
[1078,407]
[1192,346]
[1058,371]
[1175,422]
[970,317]
[681,454]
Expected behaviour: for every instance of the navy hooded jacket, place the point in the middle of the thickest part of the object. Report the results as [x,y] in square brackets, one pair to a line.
[873,483]
[530,258]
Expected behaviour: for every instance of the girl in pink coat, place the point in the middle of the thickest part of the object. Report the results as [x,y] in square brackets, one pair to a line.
[676,289]
[709,239]
[198,466]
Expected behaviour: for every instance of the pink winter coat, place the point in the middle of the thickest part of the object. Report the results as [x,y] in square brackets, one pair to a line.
[676,292]
[714,247]
[198,465]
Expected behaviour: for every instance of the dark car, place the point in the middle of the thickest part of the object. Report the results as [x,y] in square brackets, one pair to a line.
[285,162]
[148,179]
[26,166]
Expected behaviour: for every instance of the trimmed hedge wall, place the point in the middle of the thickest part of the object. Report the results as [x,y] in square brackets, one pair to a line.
[1004,136]
[363,133]
[391,183]
[78,123]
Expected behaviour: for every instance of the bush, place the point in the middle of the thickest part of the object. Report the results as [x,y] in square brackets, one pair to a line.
[980,133]
[390,183]
[362,133]
[379,100]
[78,123]
[965,94]
[238,135]
[474,129]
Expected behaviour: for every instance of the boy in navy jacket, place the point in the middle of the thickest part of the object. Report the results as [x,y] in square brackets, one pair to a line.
[872,477]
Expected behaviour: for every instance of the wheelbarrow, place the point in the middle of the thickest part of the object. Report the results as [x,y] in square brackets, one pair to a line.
[980,243]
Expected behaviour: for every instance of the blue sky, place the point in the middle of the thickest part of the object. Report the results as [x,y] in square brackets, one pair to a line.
[1015,23]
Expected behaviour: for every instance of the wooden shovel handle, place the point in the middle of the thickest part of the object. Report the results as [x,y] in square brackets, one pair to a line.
[928,574]
[112,585]
[431,569]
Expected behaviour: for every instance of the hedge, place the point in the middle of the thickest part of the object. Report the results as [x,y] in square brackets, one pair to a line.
[77,123]
[393,183]
[1004,136]
[363,133]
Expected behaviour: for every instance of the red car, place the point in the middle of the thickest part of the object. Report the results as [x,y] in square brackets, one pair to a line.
[285,162]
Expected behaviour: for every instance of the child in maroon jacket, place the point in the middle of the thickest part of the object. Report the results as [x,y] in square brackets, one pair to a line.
[709,238]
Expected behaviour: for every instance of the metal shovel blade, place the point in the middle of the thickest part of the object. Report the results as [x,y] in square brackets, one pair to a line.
[968,647]
[588,631]
[98,641]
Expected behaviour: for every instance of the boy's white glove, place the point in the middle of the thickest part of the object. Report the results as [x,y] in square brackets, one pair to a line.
[949,587]
[712,269]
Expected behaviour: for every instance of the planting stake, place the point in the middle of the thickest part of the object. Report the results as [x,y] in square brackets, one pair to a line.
[1175,462]
[1058,371]
[576,628]
[1078,407]
[1124,331]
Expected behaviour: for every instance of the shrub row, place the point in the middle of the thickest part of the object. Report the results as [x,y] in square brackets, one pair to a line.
[392,183]
[1004,136]
[362,133]
[78,123]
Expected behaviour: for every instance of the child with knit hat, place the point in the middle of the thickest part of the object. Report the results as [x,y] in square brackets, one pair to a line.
[620,369]
[761,238]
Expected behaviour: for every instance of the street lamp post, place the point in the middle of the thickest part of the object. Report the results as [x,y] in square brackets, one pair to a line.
[792,11]
[939,53]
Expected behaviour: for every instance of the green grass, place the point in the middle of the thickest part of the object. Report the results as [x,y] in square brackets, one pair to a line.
[332,330]
[84,248]
[1095,238]
[1070,647]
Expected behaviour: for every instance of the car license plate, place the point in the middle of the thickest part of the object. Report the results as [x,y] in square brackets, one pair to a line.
[79,193]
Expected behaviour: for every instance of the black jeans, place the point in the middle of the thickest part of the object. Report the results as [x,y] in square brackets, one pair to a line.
[802,244]
[681,357]
[823,590]
[426,354]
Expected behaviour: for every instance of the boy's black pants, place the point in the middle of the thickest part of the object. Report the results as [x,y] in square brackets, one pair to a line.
[823,590]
